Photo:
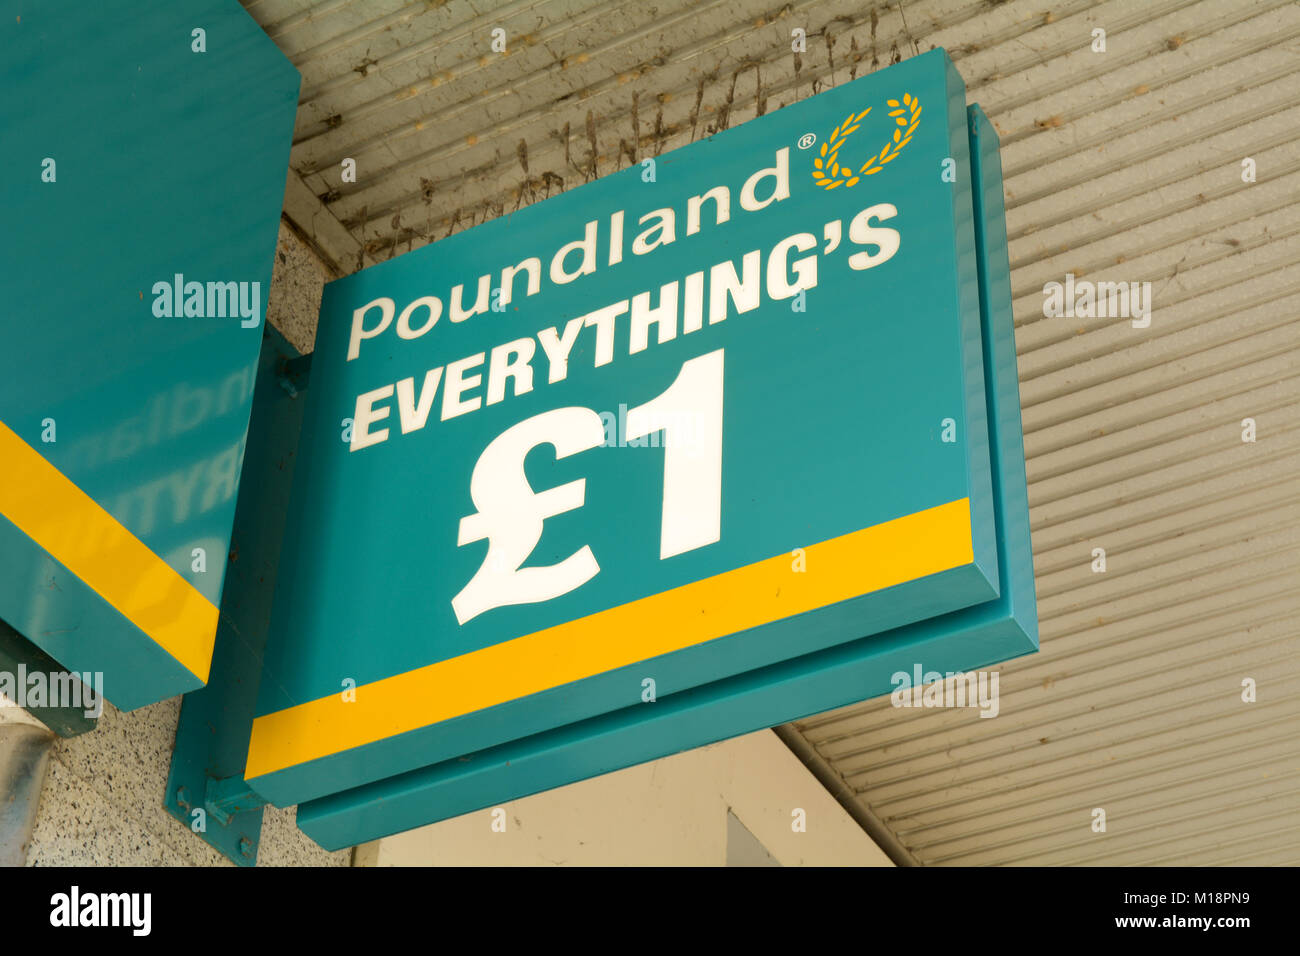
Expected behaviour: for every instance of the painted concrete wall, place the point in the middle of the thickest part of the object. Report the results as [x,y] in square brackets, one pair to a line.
[670,812]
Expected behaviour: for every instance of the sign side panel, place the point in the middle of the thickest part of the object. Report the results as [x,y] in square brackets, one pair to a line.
[131,316]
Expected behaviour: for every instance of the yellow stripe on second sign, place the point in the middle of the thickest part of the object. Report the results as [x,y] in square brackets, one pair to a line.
[849,566]
[47,507]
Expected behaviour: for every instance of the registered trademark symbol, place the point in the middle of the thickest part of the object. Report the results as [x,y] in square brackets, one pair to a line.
[806,140]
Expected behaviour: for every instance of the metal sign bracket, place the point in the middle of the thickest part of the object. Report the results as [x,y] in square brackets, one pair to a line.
[206,790]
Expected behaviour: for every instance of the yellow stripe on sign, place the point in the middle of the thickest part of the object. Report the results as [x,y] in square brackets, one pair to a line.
[65,521]
[849,566]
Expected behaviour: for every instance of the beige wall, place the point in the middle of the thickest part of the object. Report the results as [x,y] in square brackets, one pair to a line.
[670,812]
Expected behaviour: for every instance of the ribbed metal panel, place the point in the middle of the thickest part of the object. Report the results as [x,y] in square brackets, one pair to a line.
[1123,165]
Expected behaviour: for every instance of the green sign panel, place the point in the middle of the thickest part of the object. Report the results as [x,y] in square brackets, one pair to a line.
[144,158]
[593,482]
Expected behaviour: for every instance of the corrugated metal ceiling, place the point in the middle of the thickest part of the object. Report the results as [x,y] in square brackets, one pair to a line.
[1121,165]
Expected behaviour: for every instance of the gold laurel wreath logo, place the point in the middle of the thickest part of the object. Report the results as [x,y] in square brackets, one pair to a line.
[828,172]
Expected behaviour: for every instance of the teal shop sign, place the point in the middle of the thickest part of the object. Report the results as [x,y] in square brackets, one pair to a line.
[141,175]
[636,468]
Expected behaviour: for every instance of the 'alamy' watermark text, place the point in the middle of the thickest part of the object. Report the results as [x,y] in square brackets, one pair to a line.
[37,689]
[933,689]
[1098,300]
[212,300]
[76,908]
